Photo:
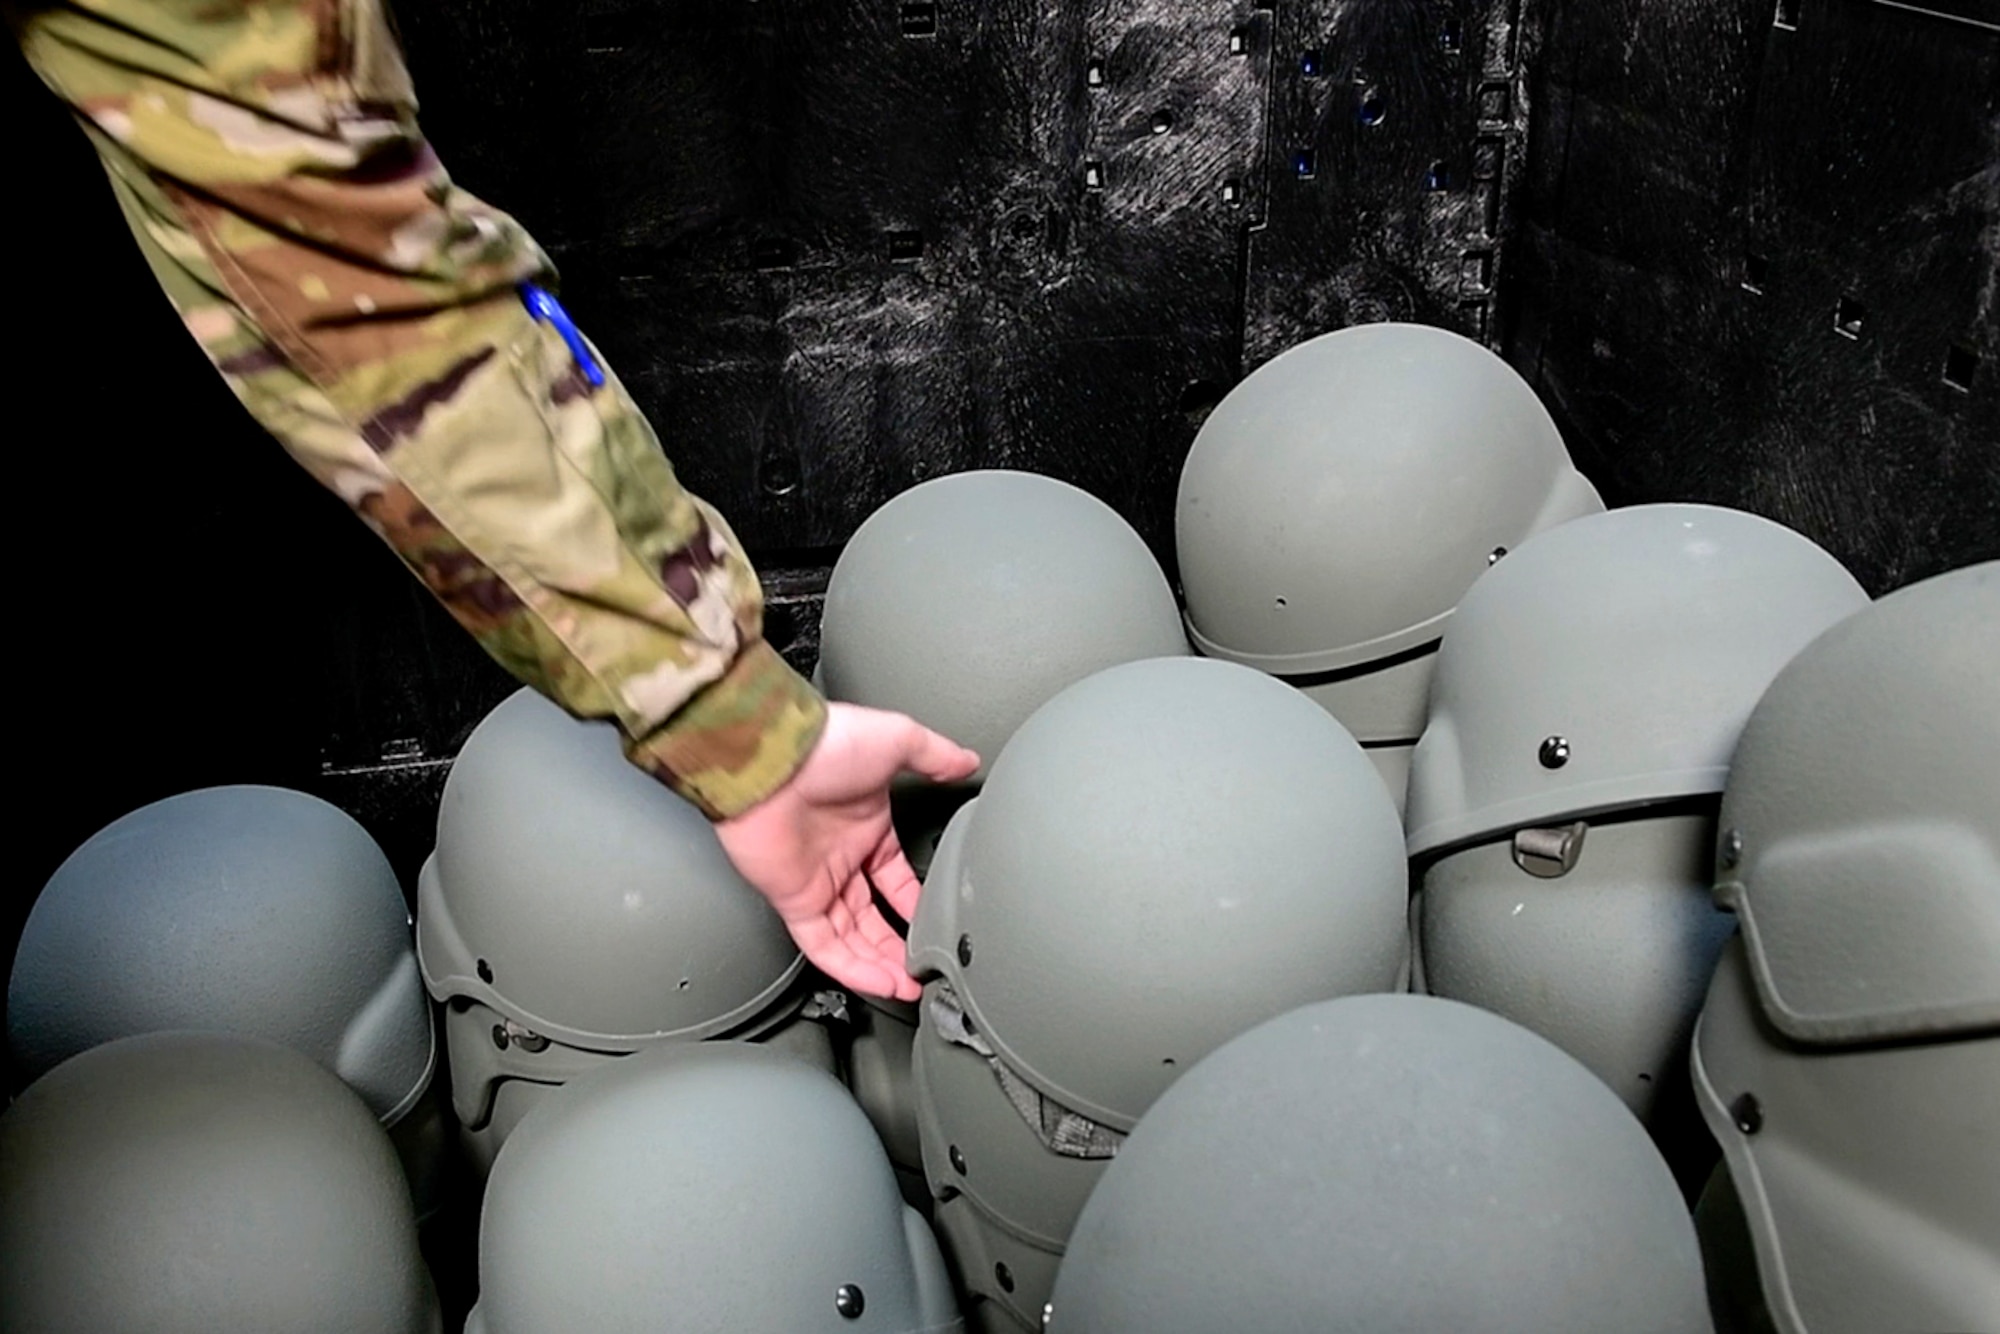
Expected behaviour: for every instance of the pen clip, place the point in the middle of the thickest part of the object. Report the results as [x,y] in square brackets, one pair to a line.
[544,307]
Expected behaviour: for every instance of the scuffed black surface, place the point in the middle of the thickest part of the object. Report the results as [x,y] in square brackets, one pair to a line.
[834,257]
[1416,121]
[1684,154]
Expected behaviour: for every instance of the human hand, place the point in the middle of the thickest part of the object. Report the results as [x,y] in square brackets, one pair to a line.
[814,846]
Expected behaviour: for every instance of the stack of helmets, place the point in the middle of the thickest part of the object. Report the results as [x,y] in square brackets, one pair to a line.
[1388,1164]
[1338,503]
[251,910]
[967,602]
[576,910]
[191,1183]
[1562,800]
[1848,1054]
[715,1187]
[1165,854]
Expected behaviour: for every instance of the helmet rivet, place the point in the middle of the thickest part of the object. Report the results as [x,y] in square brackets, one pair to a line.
[957,1160]
[1555,752]
[500,1036]
[1004,1277]
[1048,1313]
[485,971]
[847,1300]
[965,951]
[1731,851]
[1747,1113]
[1493,556]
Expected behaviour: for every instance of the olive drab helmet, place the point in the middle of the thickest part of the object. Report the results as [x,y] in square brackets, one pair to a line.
[1848,1054]
[969,600]
[1338,503]
[724,1186]
[252,910]
[1588,694]
[1395,1164]
[576,910]
[1165,854]
[189,1183]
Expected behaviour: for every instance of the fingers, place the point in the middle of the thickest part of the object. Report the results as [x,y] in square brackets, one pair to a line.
[857,949]
[937,757]
[891,874]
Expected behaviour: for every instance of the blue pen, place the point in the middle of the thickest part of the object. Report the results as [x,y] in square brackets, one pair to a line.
[549,311]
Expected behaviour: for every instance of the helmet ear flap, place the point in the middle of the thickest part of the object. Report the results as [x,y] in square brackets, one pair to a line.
[1842,895]
[934,930]
[447,965]
[396,1018]
[1570,497]
[1437,767]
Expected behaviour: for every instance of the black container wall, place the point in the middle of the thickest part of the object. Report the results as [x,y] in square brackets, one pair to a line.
[1748,250]
[1760,265]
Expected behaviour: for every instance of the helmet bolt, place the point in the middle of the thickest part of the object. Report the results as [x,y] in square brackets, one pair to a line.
[965,951]
[1554,752]
[1493,556]
[1004,1277]
[1048,1313]
[957,1160]
[1747,1113]
[485,971]
[1731,851]
[500,1036]
[847,1300]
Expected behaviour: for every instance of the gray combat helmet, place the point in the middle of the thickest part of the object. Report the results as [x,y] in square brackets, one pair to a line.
[189,1183]
[703,1189]
[1587,698]
[1848,1055]
[1339,501]
[969,600]
[1164,855]
[1387,1164]
[576,910]
[252,910]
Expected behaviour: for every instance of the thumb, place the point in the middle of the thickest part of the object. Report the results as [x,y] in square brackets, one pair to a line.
[937,757]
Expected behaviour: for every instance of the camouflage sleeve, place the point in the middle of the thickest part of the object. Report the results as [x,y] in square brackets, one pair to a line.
[369,314]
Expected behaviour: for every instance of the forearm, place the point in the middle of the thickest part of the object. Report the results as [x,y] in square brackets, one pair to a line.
[368,313]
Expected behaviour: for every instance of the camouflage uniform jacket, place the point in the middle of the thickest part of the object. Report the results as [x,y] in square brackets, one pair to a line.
[370,315]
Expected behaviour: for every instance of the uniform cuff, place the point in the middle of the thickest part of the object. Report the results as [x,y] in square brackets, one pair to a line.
[740,739]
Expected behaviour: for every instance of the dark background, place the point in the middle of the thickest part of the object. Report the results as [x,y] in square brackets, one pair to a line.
[1748,251]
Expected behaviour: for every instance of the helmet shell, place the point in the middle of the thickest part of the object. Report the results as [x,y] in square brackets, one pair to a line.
[1861,825]
[726,1187]
[1866,1172]
[581,899]
[1848,1055]
[185,1183]
[1395,1164]
[1165,854]
[243,909]
[969,600]
[1609,664]
[1609,960]
[1338,502]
